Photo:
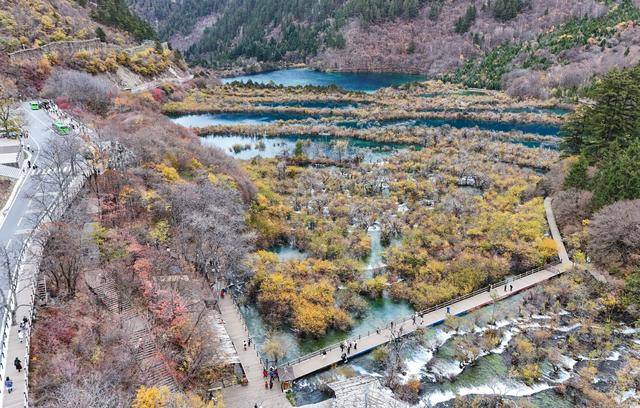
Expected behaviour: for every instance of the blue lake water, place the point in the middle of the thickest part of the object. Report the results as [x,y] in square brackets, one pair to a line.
[261,118]
[351,81]
[239,118]
[248,147]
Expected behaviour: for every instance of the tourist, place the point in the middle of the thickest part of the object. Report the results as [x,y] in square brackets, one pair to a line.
[18,364]
[510,288]
[448,310]
[9,384]
[415,315]
[505,288]
[249,341]
[266,384]
[324,354]
[342,346]
[271,384]
[355,345]
[244,345]
[20,335]
[264,372]
[343,357]
[349,347]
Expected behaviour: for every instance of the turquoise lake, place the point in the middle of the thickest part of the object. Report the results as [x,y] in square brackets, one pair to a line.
[351,81]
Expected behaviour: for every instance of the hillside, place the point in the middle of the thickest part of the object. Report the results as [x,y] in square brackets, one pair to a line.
[543,45]
[104,37]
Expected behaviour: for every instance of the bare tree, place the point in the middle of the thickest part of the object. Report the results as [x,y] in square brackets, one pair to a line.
[213,233]
[614,234]
[63,259]
[10,262]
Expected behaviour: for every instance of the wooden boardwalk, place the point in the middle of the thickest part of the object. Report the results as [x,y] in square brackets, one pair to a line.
[327,357]
[246,396]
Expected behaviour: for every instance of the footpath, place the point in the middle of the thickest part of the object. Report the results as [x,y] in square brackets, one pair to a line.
[246,396]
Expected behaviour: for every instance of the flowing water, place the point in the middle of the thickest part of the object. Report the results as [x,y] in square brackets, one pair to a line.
[351,81]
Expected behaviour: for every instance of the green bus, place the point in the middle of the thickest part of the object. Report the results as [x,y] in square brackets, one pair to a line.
[35,105]
[61,128]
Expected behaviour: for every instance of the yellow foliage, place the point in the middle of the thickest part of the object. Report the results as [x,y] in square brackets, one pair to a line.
[547,247]
[160,232]
[170,174]
[320,293]
[310,319]
[151,397]
[162,397]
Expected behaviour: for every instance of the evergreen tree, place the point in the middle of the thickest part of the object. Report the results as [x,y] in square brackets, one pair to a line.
[619,175]
[101,34]
[577,177]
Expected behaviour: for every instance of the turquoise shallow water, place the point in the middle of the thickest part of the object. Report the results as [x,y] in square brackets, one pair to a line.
[351,81]
[264,118]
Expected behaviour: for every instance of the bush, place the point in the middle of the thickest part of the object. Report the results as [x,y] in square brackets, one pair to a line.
[93,92]
[614,234]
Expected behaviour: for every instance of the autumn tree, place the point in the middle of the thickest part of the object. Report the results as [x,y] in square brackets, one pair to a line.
[10,120]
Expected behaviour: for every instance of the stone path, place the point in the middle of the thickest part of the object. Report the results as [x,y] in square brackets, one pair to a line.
[246,396]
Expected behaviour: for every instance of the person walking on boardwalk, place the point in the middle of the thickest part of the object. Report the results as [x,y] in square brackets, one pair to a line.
[355,345]
[271,383]
[244,345]
[20,335]
[18,364]
[349,347]
[324,354]
[342,346]
[264,372]
[510,288]
[9,385]
[448,310]
[505,288]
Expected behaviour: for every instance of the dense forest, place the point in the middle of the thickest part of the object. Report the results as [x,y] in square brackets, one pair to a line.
[116,13]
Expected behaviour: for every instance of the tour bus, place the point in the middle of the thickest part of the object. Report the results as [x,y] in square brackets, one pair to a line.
[35,105]
[61,128]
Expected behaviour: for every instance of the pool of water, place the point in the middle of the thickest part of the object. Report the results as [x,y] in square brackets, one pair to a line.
[351,81]
[262,118]
[247,147]
[379,313]
[236,118]
[547,111]
[313,104]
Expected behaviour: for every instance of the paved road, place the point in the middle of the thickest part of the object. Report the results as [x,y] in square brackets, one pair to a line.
[20,217]
[25,207]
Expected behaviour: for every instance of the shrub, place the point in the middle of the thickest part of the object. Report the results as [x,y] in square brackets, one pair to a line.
[93,92]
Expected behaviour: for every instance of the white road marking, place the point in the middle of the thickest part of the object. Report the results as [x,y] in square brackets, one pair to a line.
[8,244]
[23,231]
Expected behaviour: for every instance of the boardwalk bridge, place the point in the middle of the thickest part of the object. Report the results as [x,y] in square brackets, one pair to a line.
[254,390]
